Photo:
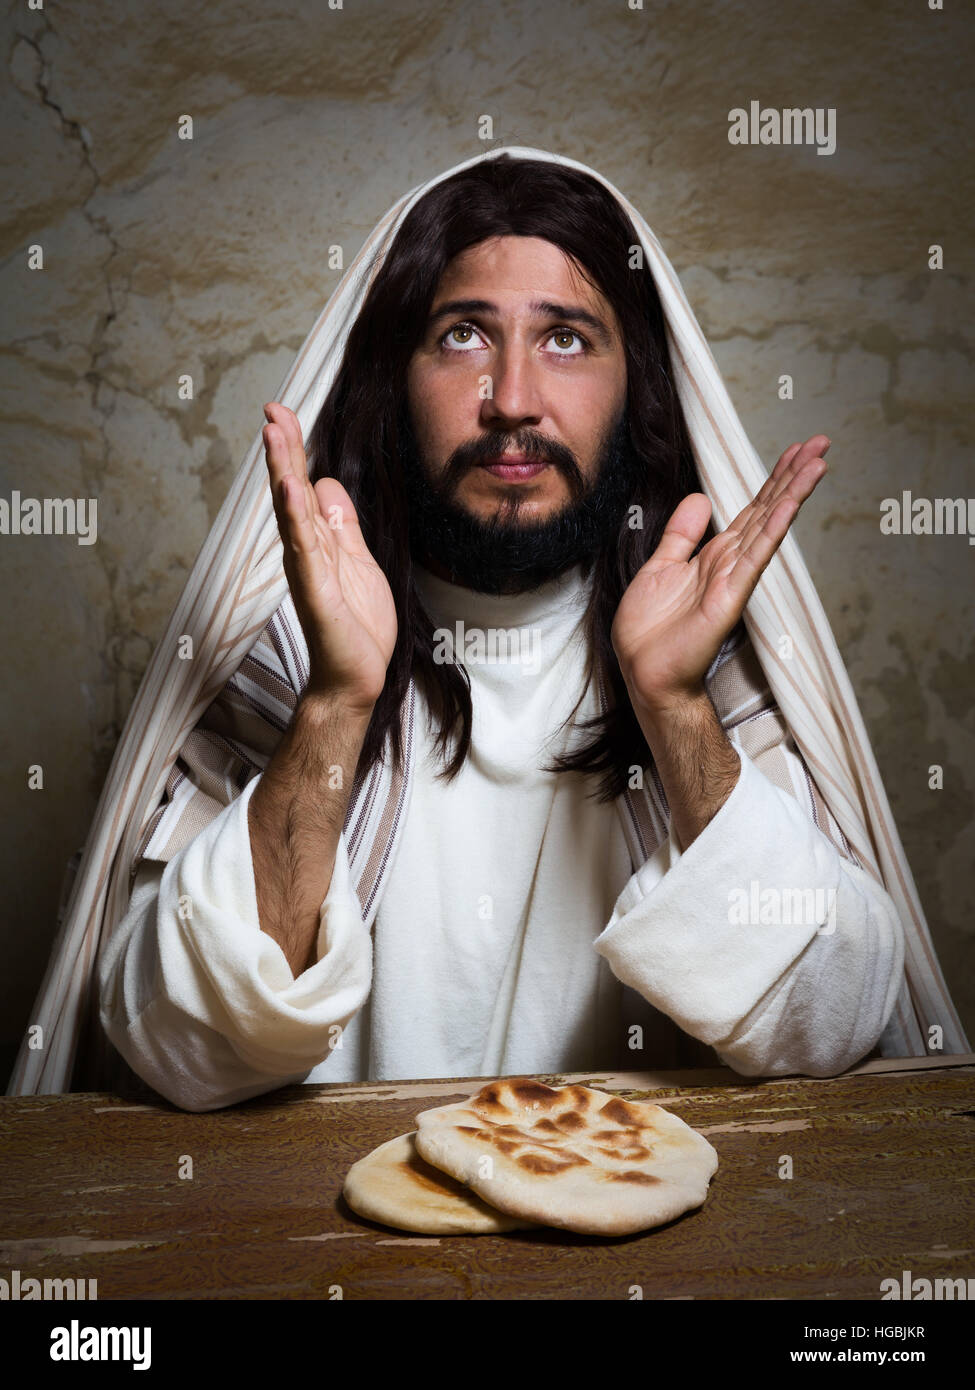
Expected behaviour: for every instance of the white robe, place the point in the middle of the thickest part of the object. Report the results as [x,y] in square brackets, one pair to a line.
[509,922]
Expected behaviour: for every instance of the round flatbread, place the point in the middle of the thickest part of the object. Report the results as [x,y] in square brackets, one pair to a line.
[394,1185]
[569,1156]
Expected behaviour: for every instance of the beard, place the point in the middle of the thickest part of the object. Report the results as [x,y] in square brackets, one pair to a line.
[504,554]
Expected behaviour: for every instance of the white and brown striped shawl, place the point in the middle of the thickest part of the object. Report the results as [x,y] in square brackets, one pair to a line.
[229,607]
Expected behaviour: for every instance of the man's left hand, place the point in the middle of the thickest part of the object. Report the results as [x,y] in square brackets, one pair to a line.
[680,607]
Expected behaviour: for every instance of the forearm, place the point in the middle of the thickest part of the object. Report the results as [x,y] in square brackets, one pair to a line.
[697,765]
[295,818]
[201,1002]
[188,1061]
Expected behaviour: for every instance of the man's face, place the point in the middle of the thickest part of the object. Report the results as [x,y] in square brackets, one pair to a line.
[521,358]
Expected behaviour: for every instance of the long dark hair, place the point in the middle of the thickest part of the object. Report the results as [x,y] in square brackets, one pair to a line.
[357,435]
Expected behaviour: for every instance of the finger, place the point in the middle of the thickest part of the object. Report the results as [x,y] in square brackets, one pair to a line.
[761,540]
[751,562]
[296,445]
[814,447]
[683,531]
[333,500]
[797,488]
[279,467]
[784,460]
[794,480]
[277,420]
[789,465]
[304,555]
[276,458]
[340,520]
[765,494]
[338,514]
[287,422]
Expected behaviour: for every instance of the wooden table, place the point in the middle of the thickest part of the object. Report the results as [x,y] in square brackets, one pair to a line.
[883,1180]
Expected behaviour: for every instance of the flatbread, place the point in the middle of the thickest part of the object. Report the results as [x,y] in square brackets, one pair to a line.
[393,1185]
[569,1156]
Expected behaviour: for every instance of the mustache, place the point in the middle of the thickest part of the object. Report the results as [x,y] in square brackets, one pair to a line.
[498,555]
[536,447]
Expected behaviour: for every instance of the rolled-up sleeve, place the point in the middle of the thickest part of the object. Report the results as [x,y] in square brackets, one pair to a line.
[710,936]
[201,1002]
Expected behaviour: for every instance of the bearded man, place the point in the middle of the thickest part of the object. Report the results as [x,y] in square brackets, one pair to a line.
[375,862]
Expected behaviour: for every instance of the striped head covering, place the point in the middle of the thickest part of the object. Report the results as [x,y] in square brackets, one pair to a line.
[199,729]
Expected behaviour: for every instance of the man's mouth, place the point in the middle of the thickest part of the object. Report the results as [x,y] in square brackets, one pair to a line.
[514,467]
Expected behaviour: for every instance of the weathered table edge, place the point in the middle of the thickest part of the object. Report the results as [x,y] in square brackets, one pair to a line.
[395,1088]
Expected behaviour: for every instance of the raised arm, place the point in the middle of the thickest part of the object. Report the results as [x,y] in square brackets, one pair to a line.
[348,616]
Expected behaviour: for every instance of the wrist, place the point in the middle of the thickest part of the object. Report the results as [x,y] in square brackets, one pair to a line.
[675,724]
[660,708]
[330,706]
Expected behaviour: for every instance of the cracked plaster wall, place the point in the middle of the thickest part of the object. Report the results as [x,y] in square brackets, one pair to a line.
[165,256]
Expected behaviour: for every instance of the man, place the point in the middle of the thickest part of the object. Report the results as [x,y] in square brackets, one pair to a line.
[502,452]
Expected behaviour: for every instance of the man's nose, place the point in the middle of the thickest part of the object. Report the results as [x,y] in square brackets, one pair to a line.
[514,391]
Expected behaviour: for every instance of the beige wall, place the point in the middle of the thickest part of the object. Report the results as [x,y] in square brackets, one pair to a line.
[163,257]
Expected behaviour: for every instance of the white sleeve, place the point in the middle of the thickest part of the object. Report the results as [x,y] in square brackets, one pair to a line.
[201,1002]
[772,998]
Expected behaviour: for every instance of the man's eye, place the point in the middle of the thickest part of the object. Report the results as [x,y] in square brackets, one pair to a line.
[461,343]
[569,333]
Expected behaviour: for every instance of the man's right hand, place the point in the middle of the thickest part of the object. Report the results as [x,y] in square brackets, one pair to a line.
[341,596]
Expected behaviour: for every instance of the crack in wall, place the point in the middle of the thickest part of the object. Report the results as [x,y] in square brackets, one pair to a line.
[102,393]
[106,378]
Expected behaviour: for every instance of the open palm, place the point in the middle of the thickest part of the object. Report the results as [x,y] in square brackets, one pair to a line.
[680,607]
[342,597]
